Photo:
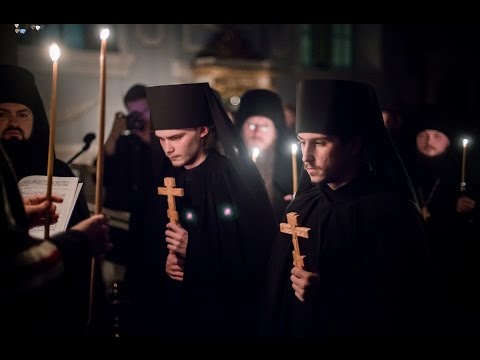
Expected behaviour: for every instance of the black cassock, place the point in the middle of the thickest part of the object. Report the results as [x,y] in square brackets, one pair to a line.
[369,248]
[230,231]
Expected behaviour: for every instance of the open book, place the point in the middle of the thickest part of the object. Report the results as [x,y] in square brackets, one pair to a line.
[67,188]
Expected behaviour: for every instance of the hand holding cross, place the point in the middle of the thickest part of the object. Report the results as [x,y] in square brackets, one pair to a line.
[296,231]
[170,191]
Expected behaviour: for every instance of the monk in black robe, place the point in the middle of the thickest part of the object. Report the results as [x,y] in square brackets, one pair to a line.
[36,276]
[203,276]
[25,136]
[451,212]
[24,132]
[366,269]
[260,120]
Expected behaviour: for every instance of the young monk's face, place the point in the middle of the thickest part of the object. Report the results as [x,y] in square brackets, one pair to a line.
[326,158]
[184,147]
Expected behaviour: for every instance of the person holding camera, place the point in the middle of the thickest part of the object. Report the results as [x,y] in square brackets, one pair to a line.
[135,123]
[128,169]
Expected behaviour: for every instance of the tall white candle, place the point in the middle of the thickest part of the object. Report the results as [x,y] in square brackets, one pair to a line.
[54,55]
[463,184]
[255,153]
[103,71]
[294,168]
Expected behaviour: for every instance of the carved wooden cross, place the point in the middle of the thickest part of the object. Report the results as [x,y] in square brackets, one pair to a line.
[170,191]
[296,231]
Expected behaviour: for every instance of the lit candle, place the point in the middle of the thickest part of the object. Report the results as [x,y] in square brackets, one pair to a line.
[294,168]
[463,184]
[54,55]
[255,153]
[99,184]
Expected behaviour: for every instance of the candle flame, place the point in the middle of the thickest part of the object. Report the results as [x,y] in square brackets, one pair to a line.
[104,34]
[255,153]
[465,142]
[294,149]
[54,52]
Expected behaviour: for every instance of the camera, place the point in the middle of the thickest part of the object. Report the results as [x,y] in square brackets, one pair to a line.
[134,121]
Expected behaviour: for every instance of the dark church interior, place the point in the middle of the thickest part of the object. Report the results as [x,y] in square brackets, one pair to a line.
[426,80]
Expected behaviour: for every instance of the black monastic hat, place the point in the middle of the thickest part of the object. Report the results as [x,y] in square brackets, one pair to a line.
[434,117]
[18,86]
[179,106]
[335,107]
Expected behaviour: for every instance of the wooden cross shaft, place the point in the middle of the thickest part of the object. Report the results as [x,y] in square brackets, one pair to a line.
[292,228]
[170,191]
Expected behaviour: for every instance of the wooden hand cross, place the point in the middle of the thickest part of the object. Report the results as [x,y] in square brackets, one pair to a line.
[296,231]
[170,191]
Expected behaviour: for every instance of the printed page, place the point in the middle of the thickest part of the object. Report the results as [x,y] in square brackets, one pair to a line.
[77,192]
[65,187]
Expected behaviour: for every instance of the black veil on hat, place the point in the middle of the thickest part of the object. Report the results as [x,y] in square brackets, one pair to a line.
[17,85]
[194,105]
[347,109]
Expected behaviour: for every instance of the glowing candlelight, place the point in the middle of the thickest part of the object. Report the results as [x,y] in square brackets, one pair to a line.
[255,153]
[463,184]
[294,168]
[54,55]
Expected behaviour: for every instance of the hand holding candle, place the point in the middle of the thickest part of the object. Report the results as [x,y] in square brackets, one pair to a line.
[294,168]
[54,55]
